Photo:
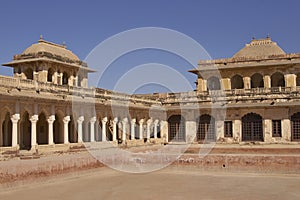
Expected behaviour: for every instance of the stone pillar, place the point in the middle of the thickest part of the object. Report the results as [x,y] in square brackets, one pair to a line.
[226,83]
[149,122]
[66,121]
[286,129]
[290,81]
[115,121]
[92,128]
[33,120]
[79,127]
[247,82]
[155,128]
[201,86]
[14,119]
[190,130]
[219,130]
[237,130]
[50,120]
[164,130]
[104,121]
[132,132]
[141,122]
[124,124]
[267,130]
[267,81]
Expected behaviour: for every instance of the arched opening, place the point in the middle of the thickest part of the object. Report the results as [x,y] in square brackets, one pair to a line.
[277,80]
[98,130]
[58,130]
[176,128]
[213,83]
[42,129]
[237,82]
[295,122]
[206,128]
[65,79]
[298,80]
[85,131]
[73,136]
[25,132]
[29,73]
[50,75]
[79,80]
[252,127]
[7,131]
[257,81]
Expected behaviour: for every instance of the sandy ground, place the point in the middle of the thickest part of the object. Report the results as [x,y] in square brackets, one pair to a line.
[169,183]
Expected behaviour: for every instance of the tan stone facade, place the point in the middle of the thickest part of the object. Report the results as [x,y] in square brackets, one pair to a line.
[48,103]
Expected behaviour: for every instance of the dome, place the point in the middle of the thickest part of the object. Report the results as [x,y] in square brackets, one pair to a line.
[48,47]
[260,48]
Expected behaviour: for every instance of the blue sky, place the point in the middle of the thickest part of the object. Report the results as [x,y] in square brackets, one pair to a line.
[221,27]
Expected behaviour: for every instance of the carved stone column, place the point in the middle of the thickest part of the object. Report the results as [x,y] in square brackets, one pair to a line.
[149,122]
[50,120]
[247,82]
[141,122]
[66,129]
[132,132]
[79,122]
[33,120]
[115,121]
[104,121]
[155,128]
[92,128]
[124,124]
[267,81]
[14,119]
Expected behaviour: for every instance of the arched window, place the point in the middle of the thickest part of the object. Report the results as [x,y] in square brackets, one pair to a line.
[25,142]
[42,129]
[298,79]
[65,79]
[252,127]
[295,122]
[176,128]
[213,83]
[50,75]
[73,136]
[237,82]
[277,80]
[257,81]
[29,73]
[206,128]
[7,131]
[58,130]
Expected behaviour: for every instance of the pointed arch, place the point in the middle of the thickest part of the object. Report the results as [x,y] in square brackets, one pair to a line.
[7,131]
[73,135]
[206,128]
[213,83]
[50,75]
[257,81]
[58,129]
[65,79]
[295,126]
[237,82]
[176,128]
[252,127]
[277,80]
[29,73]
[42,129]
[25,132]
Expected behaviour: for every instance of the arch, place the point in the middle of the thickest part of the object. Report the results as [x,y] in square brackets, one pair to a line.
[295,123]
[298,80]
[29,73]
[237,82]
[252,127]
[42,129]
[176,128]
[213,83]
[73,135]
[58,136]
[277,80]
[25,132]
[65,79]
[257,81]
[50,75]
[7,131]
[79,80]
[206,128]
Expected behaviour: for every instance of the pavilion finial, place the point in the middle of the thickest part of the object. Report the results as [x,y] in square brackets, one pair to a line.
[41,38]
[64,44]
[268,36]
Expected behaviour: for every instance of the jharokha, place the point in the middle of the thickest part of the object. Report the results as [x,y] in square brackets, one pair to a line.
[47,104]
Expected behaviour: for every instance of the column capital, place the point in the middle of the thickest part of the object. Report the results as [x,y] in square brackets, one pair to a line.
[93,119]
[115,120]
[80,119]
[141,121]
[51,119]
[149,121]
[34,118]
[15,118]
[133,121]
[66,119]
[156,121]
[104,120]
[125,120]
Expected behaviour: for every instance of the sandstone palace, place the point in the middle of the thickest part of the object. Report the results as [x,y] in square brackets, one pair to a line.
[254,99]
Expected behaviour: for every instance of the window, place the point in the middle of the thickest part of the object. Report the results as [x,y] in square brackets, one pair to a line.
[276,128]
[228,129]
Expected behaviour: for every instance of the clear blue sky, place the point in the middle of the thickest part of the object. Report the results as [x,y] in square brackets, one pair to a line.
[221,27]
